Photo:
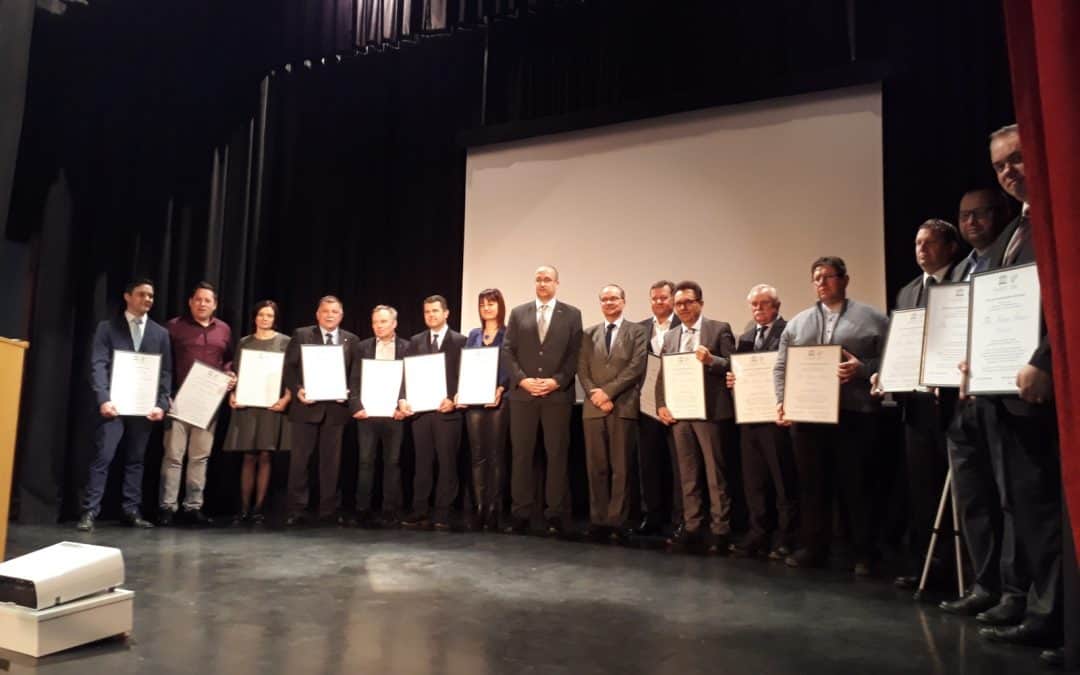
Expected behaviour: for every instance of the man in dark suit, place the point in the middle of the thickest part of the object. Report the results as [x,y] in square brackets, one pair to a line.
[135,331]
[316,424]
[1027,428]
[655,444]
[926,415]
[700,442]
[436,433]
[371,431]
[767,460]
[541,347]
[610,367]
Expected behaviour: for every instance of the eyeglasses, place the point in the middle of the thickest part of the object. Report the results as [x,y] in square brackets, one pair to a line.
[686,303]
[824,278]
[979,213]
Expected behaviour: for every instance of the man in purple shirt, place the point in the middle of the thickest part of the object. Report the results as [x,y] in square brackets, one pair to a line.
[195,336]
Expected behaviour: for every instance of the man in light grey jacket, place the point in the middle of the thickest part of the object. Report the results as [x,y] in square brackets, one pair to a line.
[833,458]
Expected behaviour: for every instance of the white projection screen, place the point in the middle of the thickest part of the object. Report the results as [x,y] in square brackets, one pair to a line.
[729,197]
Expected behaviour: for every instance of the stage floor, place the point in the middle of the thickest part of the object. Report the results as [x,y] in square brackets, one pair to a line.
[355,601]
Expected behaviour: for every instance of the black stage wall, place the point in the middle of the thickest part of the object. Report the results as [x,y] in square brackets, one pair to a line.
[177,143]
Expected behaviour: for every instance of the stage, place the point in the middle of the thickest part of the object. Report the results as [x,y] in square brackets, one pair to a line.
[330,600]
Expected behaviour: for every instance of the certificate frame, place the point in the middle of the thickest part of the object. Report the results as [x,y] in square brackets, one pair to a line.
[699,413]
[736,360]
[188,419]
[932,293]
[246,355]
[469,355]
[303,372]
[888,356]
[647,396]
[837,354]
[364,381]
[112,379]
[425,405]
[977,281]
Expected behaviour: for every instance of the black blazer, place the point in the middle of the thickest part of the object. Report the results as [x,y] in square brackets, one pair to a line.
[908,297]
[649,332]
[717,336]
[114,334]
[452,344]
[556,357]
[365,349]
[772,338]
[330,412]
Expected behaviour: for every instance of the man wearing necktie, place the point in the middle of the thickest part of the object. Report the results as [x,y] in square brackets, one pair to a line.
[926,415]
[541,347]
[316,424]
[701,442]
[436,433]
[767,460]
[610,367]
[132,330]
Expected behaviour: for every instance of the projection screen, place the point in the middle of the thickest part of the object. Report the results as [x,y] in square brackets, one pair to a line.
[730,197]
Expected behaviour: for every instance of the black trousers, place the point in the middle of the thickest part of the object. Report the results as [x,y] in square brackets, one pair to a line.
[436,438]
[656,461]
[306,437]
[526,418]
[927,464]
[609,441]
[768,462]
[132,433]
[488,429]
[832,462]
[982,499]
[370,433]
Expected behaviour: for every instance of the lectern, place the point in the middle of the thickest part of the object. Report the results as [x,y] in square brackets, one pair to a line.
[12,354]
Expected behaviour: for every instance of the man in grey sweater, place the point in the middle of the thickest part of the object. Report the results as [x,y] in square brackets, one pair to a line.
[833,458]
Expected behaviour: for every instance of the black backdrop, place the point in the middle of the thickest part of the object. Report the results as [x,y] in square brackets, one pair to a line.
[289,149]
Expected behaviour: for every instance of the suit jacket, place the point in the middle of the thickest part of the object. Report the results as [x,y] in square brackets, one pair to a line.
[772,338]
[555,357]
[452,344]
[330,412]
[365,349]
[718,338]
[908,297]
[650,329]
[618,373]
[114,334]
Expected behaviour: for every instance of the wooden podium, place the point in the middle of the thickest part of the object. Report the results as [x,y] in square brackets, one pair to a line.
[11,376]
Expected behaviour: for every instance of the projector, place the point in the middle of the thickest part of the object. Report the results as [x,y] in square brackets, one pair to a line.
[60,573]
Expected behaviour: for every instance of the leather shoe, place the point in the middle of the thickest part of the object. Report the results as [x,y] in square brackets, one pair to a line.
[1055,658]
[780,552]
[165,518]
[295,520]
[716,544]
[804,557]
[1008,612]
[649,527]
[196,518]
[442,526]
[969,605]
[86,522]
[746,549]
[517,526]
[416,522]
[554,527]
[135,519]
[1024,634]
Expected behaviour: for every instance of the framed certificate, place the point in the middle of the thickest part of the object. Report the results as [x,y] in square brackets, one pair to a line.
[684,386]
[647,400]
[902,359]
[324,372]
[258,383]
[133,382]
[811,384]
[425,381]
[946,335]
[380,386]
[478,376]
[200,395]
[1004,328]
[754,393]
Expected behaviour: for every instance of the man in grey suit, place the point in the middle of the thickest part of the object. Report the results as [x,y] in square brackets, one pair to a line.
[610,367]
[700,442]
[541,347]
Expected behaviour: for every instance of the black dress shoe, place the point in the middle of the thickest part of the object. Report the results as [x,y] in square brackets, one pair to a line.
[241,519]
[969,605]
[595,532]
[780,552]
[135,519]
[554,527]
[442,526]
[716,544]
[1008,612]
[86,522]
[804,557]
[257,518]
[622,535]
[746,549]
[165,518]
[516,526]
[416,522]
[679,536]
[1024,634]
[1055,658]
[348,520]
[295,520]
[649,527]
[196,518]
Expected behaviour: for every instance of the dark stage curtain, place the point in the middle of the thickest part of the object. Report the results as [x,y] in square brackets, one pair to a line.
[1045,60]
[16,23]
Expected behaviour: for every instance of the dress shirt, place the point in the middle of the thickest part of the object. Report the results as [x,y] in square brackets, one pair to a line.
[191,341]
[659,330]
[385,350]
[335,335]
[131,319]
[695,340]
[550,309]
[618,325]
[831,318]
[440,335]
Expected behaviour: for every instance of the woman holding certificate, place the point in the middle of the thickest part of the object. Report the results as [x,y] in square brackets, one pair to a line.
[488,424]
[258,426]
[822,378]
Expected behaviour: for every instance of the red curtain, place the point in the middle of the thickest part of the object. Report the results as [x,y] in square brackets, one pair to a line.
[1044,56]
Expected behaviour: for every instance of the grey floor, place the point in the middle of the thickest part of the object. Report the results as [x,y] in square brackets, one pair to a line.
[353,601]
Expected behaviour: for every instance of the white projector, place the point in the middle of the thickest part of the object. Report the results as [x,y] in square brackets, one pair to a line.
[60,573]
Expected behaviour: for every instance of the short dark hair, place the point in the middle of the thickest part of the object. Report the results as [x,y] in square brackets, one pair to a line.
[136,282]
[622,293]
[495,295]
[204,285]
[835,262]
[663,282]
[439,299]
[690,286]
[266,303]
[329,298]
[943,228]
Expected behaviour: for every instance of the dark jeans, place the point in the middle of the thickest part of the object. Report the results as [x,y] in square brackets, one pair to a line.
[370,433]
